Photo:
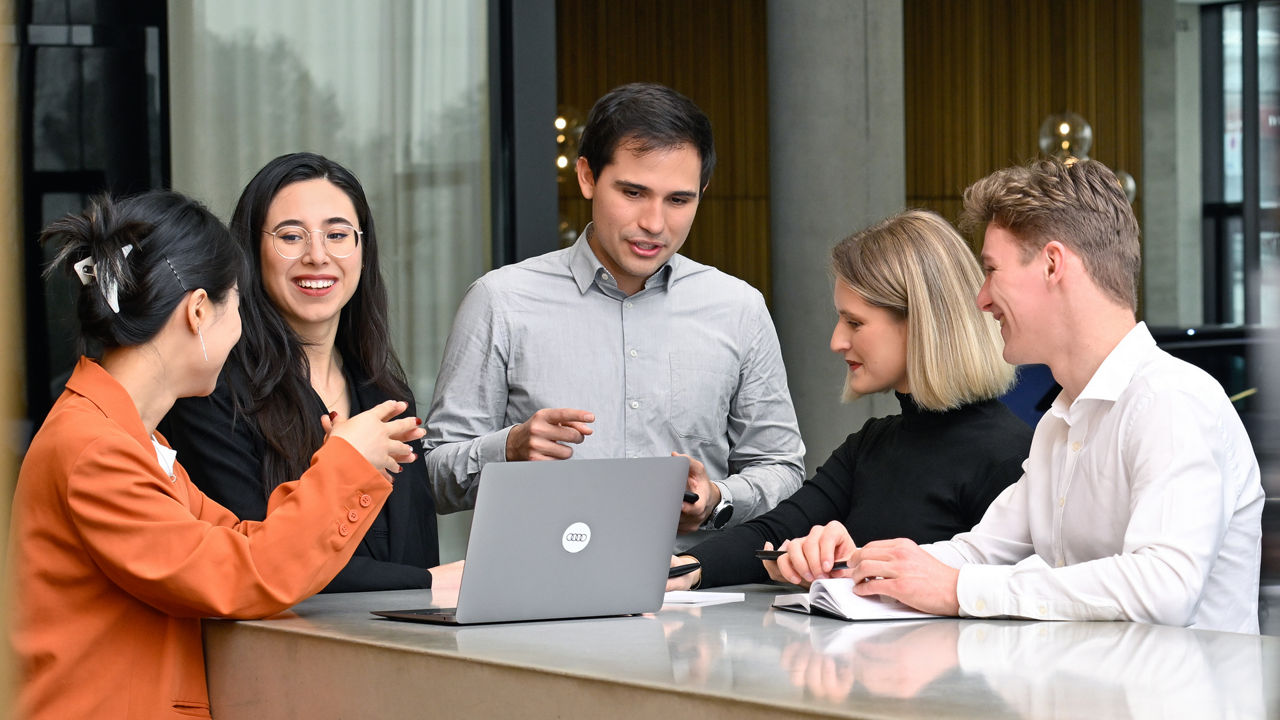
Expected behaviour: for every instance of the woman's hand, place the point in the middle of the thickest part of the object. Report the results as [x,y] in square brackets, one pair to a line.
[447,576]
[684,582]
[813,556]
[382,441]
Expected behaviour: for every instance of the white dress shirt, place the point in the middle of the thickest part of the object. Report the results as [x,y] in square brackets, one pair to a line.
[1139,501]
[691,363]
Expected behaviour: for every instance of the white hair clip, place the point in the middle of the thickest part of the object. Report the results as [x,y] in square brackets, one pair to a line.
[87,271]
[84,269]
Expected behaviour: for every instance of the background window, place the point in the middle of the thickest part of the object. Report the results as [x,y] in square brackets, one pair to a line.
[396,91]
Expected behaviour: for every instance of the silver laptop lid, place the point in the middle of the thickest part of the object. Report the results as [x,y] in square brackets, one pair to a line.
[571,538]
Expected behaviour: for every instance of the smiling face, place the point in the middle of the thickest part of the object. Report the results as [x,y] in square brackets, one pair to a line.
[310,291]
[1014,293]
[873,342]
[642,207]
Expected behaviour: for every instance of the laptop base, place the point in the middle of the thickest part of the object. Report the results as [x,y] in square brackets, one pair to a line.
[449,616]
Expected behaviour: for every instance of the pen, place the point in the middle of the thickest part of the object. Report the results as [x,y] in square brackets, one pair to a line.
[678,570]
[775,554]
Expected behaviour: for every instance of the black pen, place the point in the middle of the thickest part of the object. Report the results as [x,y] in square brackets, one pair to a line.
[775,554]
[678,570]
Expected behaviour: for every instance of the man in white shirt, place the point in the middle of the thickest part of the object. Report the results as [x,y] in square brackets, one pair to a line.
[1141,498]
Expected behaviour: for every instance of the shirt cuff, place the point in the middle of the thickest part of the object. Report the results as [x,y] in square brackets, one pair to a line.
[981,590]
[740,492]
[1025,590]
[493,447]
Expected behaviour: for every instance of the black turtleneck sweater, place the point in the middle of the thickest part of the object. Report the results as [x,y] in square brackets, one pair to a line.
[921,475]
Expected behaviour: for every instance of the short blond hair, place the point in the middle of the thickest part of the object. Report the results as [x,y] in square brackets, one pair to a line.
[1082,205]
[917,266]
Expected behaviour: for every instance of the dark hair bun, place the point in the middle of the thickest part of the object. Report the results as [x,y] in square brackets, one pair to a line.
[136,258]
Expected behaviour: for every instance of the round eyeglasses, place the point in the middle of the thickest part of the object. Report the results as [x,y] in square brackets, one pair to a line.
[291,242]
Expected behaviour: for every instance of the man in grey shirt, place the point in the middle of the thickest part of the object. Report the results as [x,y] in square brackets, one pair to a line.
[619,347]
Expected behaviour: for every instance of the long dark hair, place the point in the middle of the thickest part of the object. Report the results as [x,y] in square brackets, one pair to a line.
[268,374]
[175,245]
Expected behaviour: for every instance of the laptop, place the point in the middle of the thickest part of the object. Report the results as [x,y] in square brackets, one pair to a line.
[566,539]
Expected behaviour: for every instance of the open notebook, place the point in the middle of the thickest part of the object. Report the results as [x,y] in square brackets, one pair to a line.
[834,597]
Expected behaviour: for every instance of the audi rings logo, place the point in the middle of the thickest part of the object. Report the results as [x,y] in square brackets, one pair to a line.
[576,537]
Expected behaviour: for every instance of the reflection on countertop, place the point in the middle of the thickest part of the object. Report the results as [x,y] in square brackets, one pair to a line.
[752,657]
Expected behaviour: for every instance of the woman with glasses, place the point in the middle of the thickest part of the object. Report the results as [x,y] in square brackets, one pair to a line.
[115,554]
[315,342]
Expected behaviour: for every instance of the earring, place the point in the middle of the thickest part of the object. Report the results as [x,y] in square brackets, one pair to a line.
[200,335]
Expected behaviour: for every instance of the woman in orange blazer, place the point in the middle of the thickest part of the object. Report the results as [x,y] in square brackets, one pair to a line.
[116,554]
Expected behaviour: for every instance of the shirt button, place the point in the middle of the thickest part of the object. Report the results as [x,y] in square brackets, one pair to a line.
[365,501]
[1044,610]
[1075,446]
[627,305]
[1058,564]
[634,404]
[981,605]
[343,529]
[633,353]
[352,516]
[1062,502]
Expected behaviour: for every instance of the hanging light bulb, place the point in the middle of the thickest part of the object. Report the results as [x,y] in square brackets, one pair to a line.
[1066,136]
[1128,184]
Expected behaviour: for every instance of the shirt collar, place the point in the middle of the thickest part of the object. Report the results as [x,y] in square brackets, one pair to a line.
[1115,372]
[587,269]
[97,386]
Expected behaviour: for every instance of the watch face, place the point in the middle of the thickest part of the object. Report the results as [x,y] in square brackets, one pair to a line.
[722,516]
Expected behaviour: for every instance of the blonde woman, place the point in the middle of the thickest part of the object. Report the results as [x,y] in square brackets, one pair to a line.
[907,323]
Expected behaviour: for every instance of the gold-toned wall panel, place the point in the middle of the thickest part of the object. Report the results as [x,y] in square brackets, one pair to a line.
[713,51]
[981,75]
[12,369]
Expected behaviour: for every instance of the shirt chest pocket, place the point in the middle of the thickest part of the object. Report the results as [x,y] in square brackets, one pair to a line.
[701,393]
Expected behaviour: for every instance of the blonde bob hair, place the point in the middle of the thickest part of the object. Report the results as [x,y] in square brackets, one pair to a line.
[917,266]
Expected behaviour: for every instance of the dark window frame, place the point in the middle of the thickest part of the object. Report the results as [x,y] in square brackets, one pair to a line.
[1219,214]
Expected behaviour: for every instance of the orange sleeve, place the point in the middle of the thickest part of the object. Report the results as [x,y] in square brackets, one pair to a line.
[191,557]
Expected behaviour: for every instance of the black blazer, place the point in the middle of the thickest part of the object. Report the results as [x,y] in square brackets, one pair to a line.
[223,455]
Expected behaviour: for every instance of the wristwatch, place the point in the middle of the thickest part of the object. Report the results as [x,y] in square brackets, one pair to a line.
[723,512]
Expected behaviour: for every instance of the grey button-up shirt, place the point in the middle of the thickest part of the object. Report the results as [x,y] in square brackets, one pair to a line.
[690,363]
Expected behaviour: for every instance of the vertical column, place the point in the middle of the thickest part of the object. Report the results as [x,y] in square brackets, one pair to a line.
[12,382]
[837,159]
[522,94]
[1170,192]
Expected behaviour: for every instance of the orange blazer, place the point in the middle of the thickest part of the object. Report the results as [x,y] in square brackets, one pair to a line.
[116,561]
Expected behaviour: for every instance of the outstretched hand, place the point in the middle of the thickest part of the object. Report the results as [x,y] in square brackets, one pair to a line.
[377,436]
[543,436]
